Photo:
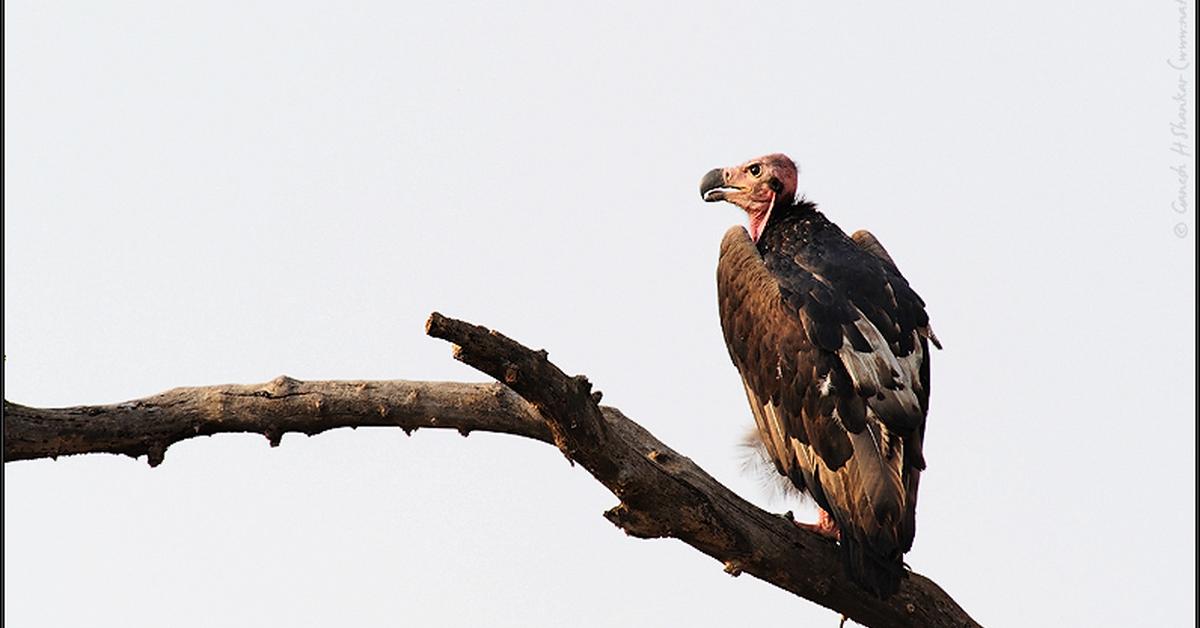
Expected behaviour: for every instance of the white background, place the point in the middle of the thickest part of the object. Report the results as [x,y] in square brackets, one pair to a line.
[205,193]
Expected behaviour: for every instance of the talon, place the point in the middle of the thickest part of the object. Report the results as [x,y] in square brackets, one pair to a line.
[825,526]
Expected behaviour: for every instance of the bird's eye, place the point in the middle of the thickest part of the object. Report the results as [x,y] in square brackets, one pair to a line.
[755,169]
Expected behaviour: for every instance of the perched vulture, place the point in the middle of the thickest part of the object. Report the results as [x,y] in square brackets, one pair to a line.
[833,348]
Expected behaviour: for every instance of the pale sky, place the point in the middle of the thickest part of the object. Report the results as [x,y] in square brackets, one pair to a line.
[223,192]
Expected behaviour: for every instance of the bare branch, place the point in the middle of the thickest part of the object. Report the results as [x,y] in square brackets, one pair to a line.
[148,426]
[662,493]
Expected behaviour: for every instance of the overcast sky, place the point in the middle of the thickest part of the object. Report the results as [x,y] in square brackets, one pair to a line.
[219,192]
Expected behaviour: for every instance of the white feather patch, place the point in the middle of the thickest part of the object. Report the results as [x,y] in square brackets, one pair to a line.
[869,369]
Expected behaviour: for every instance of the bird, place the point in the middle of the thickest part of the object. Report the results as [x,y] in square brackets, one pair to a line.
[832,345]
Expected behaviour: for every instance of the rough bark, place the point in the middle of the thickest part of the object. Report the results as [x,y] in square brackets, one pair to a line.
[146,427]
[662,493]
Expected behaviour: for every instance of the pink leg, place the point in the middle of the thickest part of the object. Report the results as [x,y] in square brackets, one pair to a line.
[825,526]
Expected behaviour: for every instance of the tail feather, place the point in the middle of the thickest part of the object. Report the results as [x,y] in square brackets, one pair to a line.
[870,501]
[878,574]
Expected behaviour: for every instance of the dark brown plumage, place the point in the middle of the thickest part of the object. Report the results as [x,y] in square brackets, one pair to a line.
[832,346]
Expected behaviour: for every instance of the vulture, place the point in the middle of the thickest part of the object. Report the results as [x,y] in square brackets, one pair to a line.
[832,345]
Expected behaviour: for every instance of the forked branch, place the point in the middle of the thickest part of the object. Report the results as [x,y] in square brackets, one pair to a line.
[661,492]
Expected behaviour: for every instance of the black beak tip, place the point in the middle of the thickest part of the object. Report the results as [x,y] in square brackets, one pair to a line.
[709,184]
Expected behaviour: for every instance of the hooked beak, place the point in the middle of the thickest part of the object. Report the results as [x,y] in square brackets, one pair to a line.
[713,187]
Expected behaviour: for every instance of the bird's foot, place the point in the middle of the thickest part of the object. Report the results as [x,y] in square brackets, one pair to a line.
[825,526]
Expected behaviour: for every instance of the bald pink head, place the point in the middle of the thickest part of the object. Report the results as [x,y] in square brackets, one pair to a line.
[756,186]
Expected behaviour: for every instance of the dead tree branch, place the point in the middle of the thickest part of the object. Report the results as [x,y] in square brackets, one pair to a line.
[662,493]
[146,427]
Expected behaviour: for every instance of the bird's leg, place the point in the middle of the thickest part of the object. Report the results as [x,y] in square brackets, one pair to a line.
[825,526]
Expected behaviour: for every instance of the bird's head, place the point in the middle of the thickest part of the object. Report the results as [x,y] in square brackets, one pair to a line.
[756,186]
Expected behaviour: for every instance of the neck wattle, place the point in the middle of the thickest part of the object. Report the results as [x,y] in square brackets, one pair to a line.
[758,222]
[758,219]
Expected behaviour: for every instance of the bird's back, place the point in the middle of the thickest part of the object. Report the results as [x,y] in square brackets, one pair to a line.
[831,344]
